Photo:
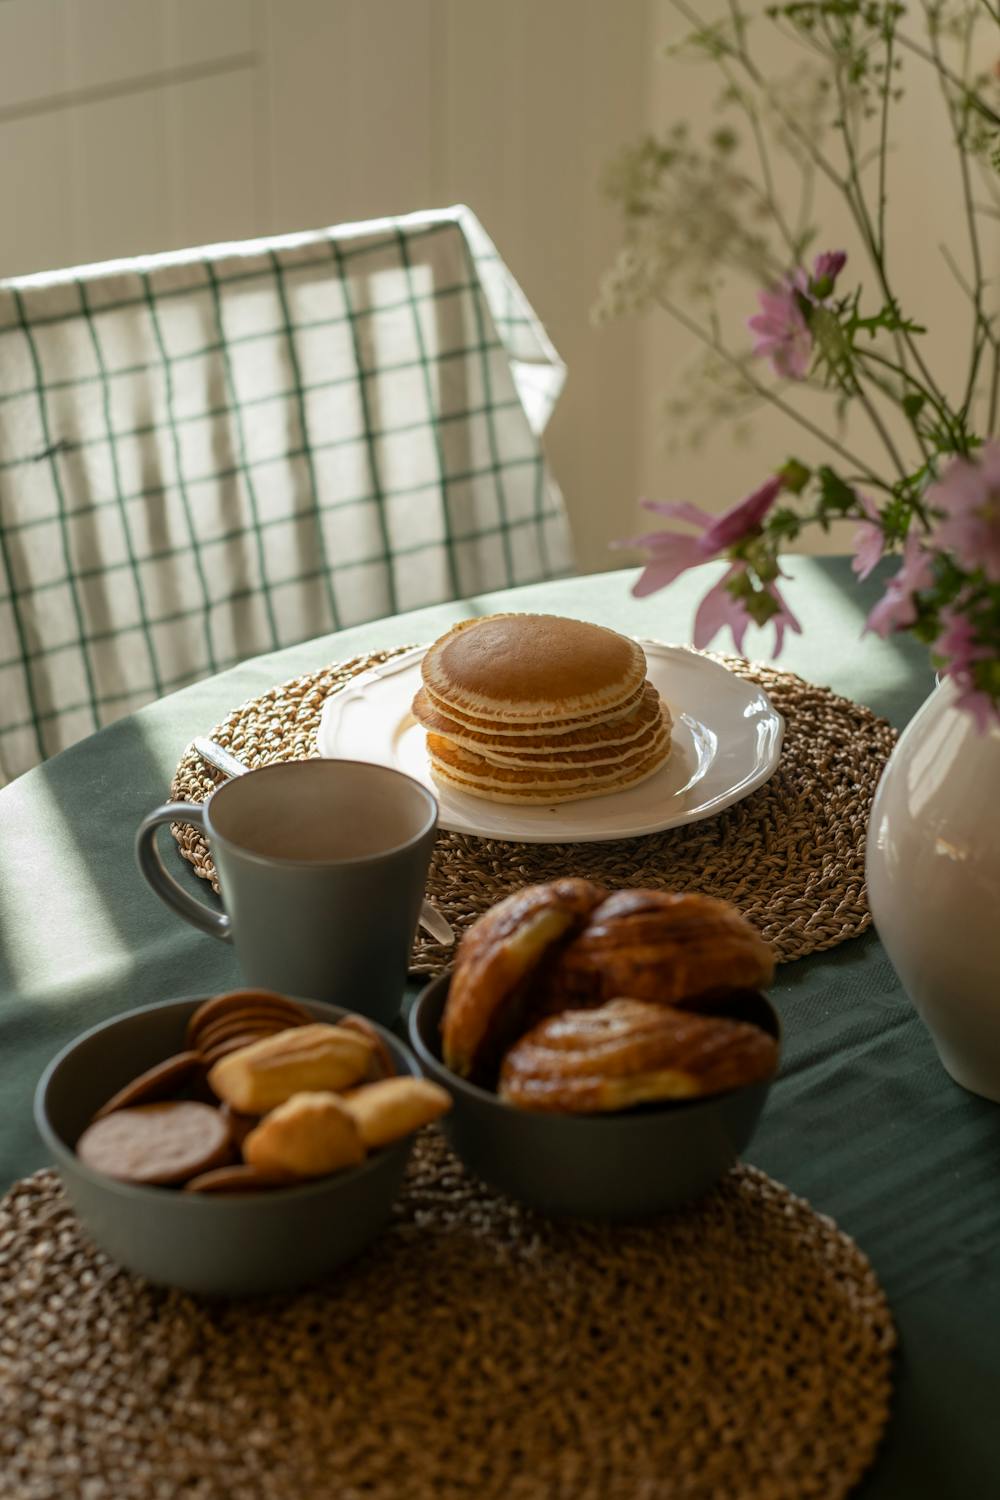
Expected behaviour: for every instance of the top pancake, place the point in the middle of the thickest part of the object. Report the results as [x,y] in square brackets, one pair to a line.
[541,669]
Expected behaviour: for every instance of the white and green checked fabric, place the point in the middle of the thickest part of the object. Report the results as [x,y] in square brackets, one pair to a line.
[209,454]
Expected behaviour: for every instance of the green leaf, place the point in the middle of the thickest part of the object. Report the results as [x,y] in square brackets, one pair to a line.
[794,476]
[835,497]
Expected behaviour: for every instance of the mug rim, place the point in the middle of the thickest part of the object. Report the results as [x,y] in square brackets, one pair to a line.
[428,826]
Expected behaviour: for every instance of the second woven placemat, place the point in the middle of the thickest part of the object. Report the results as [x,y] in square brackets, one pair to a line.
[791,856]
[476,1351]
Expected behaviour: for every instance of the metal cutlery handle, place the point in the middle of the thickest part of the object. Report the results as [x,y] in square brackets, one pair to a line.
[218,756]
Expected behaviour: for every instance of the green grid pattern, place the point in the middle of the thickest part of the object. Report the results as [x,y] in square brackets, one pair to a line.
[208,456]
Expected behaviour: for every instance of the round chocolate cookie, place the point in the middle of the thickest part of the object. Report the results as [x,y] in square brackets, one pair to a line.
[234,1043]
[242,1178]
[245,1001]
[158,1082]
[240,1024]
[239,1125]
[158,1144]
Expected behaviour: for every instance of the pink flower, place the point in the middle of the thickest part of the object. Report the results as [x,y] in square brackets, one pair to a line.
[673,552]
[826,268]
[896,609]
[782,331]
[868,541]
[719,608]
[958,645]
[968,497]
[782,328]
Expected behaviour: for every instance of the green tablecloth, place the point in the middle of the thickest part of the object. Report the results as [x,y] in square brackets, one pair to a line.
[863,1121]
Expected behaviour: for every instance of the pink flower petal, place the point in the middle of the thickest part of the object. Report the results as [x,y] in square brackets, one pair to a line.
[982,708]
[869,544]
[725,531]
[680,510]
[897,609]
[719,609]
[784,336]
[666,564]
[829,264]
[967,498]
[782,621]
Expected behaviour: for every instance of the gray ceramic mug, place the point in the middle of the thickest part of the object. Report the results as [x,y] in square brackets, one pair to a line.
[321,867]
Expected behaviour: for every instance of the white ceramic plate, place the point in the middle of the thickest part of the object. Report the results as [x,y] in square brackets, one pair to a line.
[726,742]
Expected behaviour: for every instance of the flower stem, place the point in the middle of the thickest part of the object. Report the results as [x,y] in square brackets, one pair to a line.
[975,101]
[854,194]
[884,136]
[959,127]
[771,396]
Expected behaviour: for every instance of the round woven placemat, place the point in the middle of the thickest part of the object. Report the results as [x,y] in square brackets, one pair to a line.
[791,856]
[742,1348]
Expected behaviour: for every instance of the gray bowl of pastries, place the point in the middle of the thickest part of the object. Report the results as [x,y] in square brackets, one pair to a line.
[213,1243]
[565,1095]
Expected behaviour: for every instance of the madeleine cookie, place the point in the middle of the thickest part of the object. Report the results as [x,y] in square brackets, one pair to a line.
[395,1107]
[264,1074]
[382,1063]
[308,1135]
[162,1144]
[630,1052]
[496,959]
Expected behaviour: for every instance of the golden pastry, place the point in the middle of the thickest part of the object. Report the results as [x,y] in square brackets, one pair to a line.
[308,1135]
[267,1072]
[653,945]
[629,1052]
[394,1107]
[496,959]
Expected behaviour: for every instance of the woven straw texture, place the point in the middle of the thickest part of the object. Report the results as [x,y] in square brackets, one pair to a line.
[742,1349]
[791,856]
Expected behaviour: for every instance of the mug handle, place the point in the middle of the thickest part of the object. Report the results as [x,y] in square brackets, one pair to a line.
[149,860]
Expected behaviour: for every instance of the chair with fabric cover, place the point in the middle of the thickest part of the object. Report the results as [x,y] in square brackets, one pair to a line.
[210,454]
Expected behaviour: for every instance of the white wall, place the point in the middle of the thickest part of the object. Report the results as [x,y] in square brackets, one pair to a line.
[142,125]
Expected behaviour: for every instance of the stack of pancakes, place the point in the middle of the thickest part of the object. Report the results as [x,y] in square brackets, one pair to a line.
[537,708]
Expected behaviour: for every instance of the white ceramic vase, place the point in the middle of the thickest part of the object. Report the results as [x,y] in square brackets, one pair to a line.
[933,869]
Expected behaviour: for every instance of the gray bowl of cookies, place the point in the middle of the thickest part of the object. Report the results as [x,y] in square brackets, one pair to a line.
[608,1053]
[235,1144]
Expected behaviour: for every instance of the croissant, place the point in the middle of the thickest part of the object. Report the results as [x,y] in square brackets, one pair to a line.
[629,1052]
[496,960]
[653,945]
